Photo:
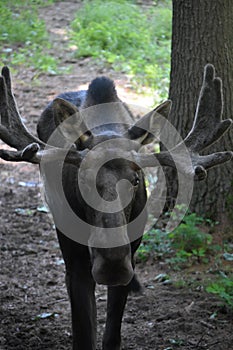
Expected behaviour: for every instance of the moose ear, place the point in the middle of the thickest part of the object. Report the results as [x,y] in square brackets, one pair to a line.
[149,126]
[69,121]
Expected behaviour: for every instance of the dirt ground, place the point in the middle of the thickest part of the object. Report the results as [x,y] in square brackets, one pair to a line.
[35,311]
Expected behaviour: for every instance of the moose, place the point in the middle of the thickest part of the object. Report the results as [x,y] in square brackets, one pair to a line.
[95,169]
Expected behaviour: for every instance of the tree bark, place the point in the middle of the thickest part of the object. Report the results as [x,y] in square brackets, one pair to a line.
[202,32]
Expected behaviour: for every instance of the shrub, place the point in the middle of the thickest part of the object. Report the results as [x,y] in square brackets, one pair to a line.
[223,288]
[23,36]
[121,34]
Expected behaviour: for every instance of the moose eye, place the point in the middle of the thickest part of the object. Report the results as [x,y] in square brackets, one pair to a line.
[135,181]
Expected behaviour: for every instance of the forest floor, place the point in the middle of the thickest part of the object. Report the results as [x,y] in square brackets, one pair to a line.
[35,311]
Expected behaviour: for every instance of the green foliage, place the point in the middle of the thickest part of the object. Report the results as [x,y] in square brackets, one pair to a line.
[185,243]
[23,35]
[188,239]
[20,26]
[188,244]
[121,34]
[223,287]
[154,242]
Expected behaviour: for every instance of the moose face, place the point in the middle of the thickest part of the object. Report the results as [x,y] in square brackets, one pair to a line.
[110,249]
[109,191]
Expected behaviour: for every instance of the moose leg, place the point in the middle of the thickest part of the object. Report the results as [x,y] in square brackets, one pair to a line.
[83,310]
[81,290]
[117,297]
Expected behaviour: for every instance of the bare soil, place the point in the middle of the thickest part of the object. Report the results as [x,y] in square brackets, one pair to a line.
[35,311]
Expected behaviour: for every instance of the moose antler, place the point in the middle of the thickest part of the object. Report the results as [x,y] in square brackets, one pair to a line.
[207,128]
[14,133]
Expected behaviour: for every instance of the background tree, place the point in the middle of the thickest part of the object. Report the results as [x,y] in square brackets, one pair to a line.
[202,32]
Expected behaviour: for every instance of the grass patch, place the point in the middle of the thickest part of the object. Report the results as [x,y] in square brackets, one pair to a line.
[23,36]
[189,241]
[223,288]
[191,249]
[155,243]
[184,245]
[130,39]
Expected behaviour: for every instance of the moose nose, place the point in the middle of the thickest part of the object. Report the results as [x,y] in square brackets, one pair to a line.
[117,273]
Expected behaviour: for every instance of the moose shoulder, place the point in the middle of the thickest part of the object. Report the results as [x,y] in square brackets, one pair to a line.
[88,148]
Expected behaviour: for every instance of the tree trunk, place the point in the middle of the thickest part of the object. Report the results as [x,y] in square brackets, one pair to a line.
[202,33]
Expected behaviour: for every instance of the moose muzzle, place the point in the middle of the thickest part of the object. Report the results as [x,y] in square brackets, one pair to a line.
[111,257]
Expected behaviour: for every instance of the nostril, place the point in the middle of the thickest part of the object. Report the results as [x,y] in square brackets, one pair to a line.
[106,221]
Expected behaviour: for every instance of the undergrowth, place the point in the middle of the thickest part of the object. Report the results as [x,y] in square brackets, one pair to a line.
[127,37]
[121,34]
[185,244]
[23,36]
[190,245]
[223,288]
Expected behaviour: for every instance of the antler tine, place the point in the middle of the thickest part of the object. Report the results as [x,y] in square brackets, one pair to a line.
[208,125]
[207,128]
[33,154]
[12,129]
[15,134]
[3,102]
